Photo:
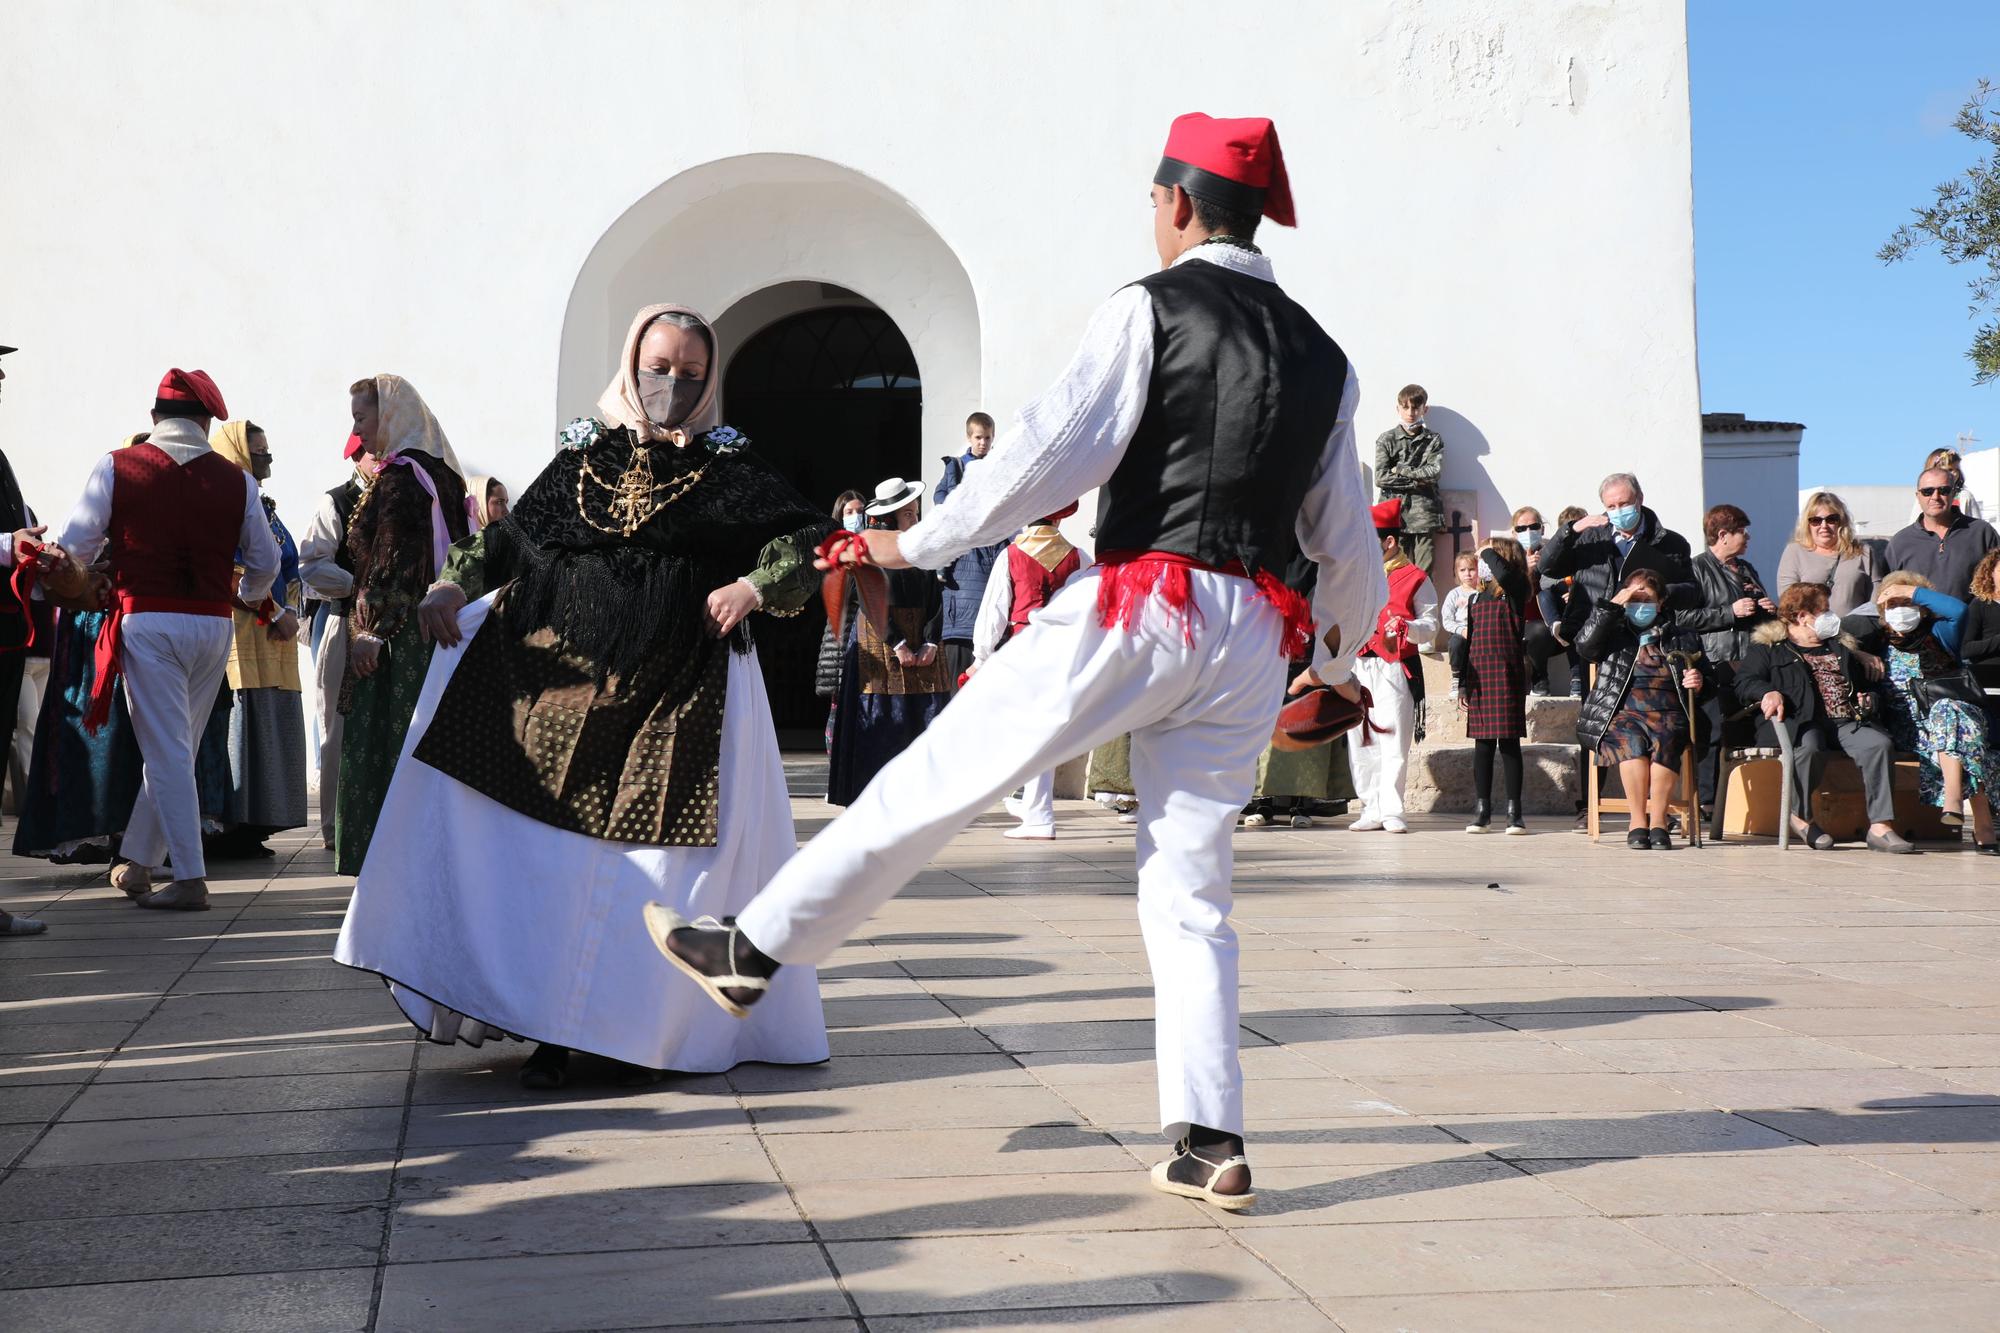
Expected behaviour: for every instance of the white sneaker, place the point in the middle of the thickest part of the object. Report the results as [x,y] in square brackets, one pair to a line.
[1128,816]
[1391,824]
[1368,823]
[1256,819]
[1032,832]
[1013,806]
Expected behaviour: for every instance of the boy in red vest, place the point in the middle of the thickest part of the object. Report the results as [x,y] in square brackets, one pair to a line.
[1215,418]
[175,521]
[1406,625]
[1036,564]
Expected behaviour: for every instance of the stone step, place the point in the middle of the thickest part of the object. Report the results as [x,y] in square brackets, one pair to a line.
[1440,779]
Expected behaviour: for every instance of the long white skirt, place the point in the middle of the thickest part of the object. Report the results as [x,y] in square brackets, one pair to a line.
[487,923]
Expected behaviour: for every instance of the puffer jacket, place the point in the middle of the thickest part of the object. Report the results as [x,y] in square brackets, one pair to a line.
[1725,637]
[1772,663]
[1591,558]
[1607,640]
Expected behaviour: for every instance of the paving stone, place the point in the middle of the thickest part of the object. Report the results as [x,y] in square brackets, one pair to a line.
[30,1193]
[232,1096]
[151,1064]
[973,1204]
[328,1301]
[900,1154]
[1630,1310]
[189,1137]
[1265,1316]
[627,1289]
[1020,1272]
[1738,1183]
[46,1253]
[1935,1307]
[574,1120]
[1794,1249]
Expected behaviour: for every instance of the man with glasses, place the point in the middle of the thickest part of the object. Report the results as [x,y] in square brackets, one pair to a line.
[1943,544]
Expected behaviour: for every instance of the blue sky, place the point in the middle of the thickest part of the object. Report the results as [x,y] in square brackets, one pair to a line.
[1817,127]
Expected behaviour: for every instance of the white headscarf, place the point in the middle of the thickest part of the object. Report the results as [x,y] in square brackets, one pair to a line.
[621,404]
[405,424]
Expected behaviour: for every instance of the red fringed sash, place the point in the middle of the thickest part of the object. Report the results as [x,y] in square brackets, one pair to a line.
[1126,579]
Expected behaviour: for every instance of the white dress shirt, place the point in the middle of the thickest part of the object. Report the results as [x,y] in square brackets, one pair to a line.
[87,530]
[319,567]
[1071,439]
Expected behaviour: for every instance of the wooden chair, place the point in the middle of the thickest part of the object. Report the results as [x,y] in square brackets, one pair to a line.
[1685,802]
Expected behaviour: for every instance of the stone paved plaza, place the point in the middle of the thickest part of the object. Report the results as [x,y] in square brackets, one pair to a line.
[1508,1084]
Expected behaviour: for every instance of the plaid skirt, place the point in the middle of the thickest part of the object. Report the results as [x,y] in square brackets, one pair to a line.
[1495,690]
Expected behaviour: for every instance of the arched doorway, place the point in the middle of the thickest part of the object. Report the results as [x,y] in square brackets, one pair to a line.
[830,396]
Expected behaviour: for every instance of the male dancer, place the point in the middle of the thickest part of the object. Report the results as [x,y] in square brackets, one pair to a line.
[1219,420]
[177,519]
[1388,668]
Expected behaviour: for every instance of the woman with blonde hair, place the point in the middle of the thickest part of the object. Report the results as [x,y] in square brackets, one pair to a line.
[1824,550]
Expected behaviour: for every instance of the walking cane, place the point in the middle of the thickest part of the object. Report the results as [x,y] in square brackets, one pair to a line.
[1685,697]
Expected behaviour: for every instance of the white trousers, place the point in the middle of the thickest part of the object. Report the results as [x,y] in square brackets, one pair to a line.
[173,667]
[1200,713]
[329,665]
[1038,800]
[27,711]
[1378,769]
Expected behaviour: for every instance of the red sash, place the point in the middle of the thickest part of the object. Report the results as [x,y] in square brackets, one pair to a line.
[1127,578]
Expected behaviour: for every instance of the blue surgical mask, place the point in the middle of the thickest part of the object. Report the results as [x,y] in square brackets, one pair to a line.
[1641,615]
[851,521]
[1625,518]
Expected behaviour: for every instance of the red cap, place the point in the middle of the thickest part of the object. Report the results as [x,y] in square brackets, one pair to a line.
[192,386]
[1061,514]
[352,447]
[1235,163]
[1388,515]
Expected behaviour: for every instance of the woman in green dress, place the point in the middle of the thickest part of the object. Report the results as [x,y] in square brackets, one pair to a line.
[398,538]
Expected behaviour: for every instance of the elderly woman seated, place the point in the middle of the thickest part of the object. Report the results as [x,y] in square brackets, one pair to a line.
[1805,677]
[1639,714]
[1934,709]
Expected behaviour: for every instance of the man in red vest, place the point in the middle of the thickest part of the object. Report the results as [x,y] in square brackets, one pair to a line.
[175,521]
[1215,419]
[1034,566]
[1388,662]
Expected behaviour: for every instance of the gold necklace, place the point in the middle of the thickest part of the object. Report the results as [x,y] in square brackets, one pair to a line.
[634,498]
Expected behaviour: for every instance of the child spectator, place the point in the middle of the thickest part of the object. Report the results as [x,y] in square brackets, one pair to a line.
[1409,465]
[1451,612]
[1493,679]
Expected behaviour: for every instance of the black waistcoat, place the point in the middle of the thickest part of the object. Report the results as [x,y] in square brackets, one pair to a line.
[1244,394]
[345,496]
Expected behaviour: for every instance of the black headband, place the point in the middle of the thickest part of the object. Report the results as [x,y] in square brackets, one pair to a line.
[1232,195]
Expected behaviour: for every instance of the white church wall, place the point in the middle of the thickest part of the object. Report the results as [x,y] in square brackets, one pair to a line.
[1495,202]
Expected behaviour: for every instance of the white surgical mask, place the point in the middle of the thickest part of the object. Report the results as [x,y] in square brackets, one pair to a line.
[1530,537]
[1827,625]
[851,521]
[1625,518]
[1902,619]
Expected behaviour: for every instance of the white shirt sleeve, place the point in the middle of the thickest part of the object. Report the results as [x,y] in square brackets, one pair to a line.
[318,568]
[88,527]
[1335,530]
[989,626]
[1423,629]
[1066,442]
[256,548]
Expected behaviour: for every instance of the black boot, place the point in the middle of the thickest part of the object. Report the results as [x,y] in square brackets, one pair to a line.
[547,1069]
[1515,824]
[1482,815]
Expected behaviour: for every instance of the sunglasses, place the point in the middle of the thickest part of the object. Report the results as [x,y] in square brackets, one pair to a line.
[1824,520]
[1529,527]
[1928,491]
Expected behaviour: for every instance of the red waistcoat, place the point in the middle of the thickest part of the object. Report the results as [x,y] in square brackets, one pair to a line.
[1033,585]
[1403,585]
[174,529]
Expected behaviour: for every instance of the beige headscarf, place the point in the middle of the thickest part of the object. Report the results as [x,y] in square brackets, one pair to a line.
[475,499]
[232,441]
[406,423]
[621,404]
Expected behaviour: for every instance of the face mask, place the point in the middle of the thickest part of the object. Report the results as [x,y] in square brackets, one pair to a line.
[1641,615]
[852,522]
[260,466]
[1827,625]
[668,399]
[1625,518]
[1902,619]
[1530,537]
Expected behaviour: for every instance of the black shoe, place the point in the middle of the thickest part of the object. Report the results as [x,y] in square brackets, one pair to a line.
[636,1076]
[1638,840]
[1516,826]
[1986,848]
[714,955]
[1217,1173]
[1482,815]
[547,1069]
[1662,841]
[1818,838]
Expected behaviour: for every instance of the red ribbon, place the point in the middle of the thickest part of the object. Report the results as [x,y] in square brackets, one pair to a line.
[839,544]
